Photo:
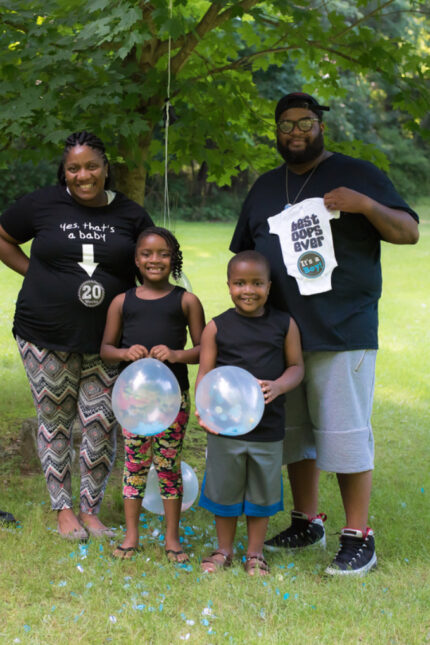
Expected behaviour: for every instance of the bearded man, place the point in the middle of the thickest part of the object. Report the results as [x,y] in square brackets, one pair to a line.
[319,219]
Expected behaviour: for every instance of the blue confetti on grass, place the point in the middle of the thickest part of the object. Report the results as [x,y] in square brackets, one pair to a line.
[27,628]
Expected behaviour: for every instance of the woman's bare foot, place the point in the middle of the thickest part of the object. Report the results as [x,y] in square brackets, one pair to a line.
[94,526]
[69,525]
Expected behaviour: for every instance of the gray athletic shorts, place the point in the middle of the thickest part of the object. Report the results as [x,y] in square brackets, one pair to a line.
[242,477]
[328,415]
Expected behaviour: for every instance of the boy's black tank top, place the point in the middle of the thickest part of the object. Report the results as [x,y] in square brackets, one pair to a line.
[157,322]
[256,345]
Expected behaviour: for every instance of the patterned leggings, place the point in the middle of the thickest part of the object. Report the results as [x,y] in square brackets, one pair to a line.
[164,450]
[64,384]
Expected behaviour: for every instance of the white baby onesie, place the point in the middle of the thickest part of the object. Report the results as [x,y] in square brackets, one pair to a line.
[307,244]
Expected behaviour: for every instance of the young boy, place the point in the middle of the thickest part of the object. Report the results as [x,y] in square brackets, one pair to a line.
[243,474]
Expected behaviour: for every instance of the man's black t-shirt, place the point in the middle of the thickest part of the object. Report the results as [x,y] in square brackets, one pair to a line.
[81,258]
[346,317]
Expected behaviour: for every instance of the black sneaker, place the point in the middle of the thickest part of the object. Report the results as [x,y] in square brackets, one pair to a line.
[356,555]
[7,518]
[305,531]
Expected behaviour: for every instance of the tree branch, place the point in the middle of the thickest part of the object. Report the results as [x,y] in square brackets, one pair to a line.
[375,11]
[212,19]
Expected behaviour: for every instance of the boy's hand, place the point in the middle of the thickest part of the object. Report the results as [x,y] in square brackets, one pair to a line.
[202,425]
[270,389]
[135,352]
[163,353]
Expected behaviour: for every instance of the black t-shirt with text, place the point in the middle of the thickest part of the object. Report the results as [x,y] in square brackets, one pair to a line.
[80,259]
[345,318]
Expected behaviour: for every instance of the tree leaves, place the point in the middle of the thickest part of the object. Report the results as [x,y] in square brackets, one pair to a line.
[103,65]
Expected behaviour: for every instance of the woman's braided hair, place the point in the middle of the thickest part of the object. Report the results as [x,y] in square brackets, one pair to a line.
[172,243]
[83,138]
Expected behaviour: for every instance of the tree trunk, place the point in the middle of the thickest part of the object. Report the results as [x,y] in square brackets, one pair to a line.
[131,179]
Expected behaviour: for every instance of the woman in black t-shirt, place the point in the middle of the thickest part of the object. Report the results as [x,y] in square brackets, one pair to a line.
[81,258]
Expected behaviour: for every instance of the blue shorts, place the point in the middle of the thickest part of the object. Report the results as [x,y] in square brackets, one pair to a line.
[328,415]
[242,477]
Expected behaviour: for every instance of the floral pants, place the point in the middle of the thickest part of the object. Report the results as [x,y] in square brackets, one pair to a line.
[164,450]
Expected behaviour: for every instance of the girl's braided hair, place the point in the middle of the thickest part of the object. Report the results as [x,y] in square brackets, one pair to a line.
[172,243]
[83,138]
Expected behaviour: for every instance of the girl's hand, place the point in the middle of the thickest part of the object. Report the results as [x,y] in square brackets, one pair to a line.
[135,352]
[202,425]
[270,389]
[163,353]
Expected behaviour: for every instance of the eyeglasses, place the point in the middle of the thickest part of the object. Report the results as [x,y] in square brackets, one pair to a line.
[286,126]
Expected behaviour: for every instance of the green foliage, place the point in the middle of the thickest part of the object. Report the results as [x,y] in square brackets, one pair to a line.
[73,64]
[20,178]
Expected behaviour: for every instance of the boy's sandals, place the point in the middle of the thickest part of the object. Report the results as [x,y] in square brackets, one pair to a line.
[175,556]
[126,552]
[216,561]
[256,565]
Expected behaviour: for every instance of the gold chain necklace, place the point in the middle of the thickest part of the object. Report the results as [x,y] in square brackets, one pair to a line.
[288,204]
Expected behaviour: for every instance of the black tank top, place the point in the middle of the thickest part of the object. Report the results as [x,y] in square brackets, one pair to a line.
[256,345]
[157,322]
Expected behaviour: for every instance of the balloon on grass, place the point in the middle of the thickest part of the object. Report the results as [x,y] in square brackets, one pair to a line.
[146,397]
[152,500]
[229,400]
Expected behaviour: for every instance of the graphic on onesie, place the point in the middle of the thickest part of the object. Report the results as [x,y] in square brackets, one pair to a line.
[306,241]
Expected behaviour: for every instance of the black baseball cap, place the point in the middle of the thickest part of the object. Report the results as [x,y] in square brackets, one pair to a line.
[299,99]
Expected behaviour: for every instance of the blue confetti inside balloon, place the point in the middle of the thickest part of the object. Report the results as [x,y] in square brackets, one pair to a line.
[229,400]
[146,397]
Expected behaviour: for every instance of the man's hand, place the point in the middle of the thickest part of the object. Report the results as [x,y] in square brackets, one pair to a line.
[347,200]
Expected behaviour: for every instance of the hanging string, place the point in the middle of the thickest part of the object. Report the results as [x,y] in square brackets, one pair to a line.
[167,106]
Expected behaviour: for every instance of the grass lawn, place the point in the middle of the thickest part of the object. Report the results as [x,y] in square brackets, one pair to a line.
[56,592]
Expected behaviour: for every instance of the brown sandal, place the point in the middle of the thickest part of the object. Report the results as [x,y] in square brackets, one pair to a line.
[126,553]
[217,564]
[256,565]
[174,556]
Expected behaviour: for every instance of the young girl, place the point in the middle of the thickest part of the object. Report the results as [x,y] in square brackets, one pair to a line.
[152,320]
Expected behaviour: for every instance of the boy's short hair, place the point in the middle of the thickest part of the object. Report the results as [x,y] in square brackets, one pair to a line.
[249,256]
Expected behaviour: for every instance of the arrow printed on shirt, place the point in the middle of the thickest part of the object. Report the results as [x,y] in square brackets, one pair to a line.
[88,263]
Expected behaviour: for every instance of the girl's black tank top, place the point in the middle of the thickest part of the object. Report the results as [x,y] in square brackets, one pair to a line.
[157,322]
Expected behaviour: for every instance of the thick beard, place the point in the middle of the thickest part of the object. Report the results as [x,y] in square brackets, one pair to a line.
[311,152]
